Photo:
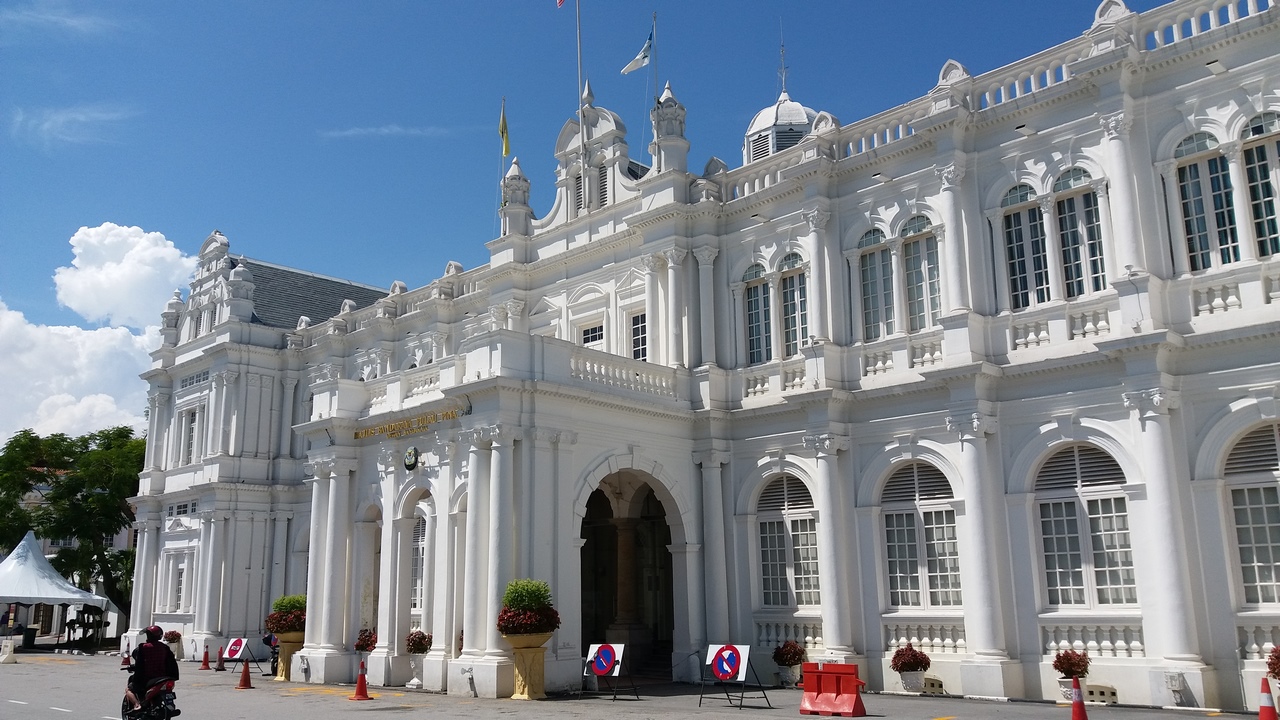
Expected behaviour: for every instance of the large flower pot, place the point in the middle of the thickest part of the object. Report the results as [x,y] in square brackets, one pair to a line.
[176,647]
[913,681]
[290,643]
[788,675]
[1064,687]
[530,658]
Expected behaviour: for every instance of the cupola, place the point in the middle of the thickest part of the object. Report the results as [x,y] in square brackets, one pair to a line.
[776,128]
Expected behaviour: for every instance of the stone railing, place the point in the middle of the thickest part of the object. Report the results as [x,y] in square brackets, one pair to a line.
[1211,299]
[419,384]
[772,632]
[881,129]
[1162,27]
[1059,323]
[932,635]
[615,371]
[757,176]
[902,352]
[1256,641]
[1122,638]
[1029,75]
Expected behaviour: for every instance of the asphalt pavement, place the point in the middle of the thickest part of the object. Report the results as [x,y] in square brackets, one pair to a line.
[46,686]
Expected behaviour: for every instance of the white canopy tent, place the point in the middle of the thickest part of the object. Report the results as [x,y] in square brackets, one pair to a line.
[27,578]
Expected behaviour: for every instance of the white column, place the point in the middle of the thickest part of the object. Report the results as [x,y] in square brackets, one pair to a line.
[675,308]
[1168,170]
[502,532]
[706,257]
[737,321]
[815,246]
[1128,239]
[774,289]
[214,578]
[652,312]
[279,553]
[1053,247]
[201,576]
[474,604]
[899,280]
[286,417]
[1240,201]
[1004,299]
[955,284]
[831,560]
[1110,255]
[318,538]
[714,558]
[982,627]
[335,555]
[852,261]
[1168,610]
[148,561]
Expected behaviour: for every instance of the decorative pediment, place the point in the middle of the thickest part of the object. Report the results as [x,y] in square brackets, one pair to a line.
[951,73]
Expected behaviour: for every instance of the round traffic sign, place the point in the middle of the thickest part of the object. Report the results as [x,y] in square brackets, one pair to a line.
[606,656]
[233,650]
[726,662]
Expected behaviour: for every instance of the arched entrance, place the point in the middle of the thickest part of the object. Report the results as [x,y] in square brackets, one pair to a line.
[627,573]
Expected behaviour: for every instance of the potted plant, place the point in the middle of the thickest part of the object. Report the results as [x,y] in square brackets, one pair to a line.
[527,620]
[788,657]
[1070,664]
[288,622]
[1273,663]
[366,641]
[417,644]
[910,664]
[173,639]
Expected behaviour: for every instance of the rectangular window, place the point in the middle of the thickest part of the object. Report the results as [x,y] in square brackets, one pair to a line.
[189,437]
[903,562]
[1194,223]
[639,337]
[1262,199]
[593,337]
[181,509]
[1112,556]
[921,258]
[773,563]
[417,561]
[795,313]
[1063,566]
[1257,520]
[804,539]
[759,334]
[1224,215]
[877,294]
[193,380]
[179,588]
[942,553]
[1080,230]
[1024,240]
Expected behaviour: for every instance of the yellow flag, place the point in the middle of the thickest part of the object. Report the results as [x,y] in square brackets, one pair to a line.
[502,130]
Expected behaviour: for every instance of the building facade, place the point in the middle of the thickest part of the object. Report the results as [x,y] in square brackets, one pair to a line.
[994,372]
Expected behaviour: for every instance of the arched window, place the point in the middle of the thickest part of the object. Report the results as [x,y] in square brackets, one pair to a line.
[920,258]
[795,304]
[417,570]
[1253,471]
[1079,233]
[875,270]
[759,332]
[922,556]
[1259,135]
[788,544]
[1026,257]
[1082,505]
[1204,200]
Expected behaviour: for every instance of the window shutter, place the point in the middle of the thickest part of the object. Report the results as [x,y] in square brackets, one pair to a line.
[1255,452]
[604,186]
[785,493]
[916,481]
[759,146]
[1078,466]
[788,138]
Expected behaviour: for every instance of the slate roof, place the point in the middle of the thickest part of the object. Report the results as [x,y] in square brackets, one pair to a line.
[281,295]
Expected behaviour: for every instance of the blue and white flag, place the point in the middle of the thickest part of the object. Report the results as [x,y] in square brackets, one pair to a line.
[642,58]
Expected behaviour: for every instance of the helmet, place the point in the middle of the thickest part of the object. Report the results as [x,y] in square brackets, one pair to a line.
[154,633]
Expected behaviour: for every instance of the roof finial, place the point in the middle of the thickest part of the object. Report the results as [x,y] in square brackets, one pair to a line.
[782,62]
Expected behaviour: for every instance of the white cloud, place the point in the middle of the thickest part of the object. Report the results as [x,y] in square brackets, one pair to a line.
[122,275]
[52,16]
[91,123]
[386,131]
[68,379]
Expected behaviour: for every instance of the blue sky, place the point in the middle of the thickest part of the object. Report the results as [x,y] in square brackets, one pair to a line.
[360,139]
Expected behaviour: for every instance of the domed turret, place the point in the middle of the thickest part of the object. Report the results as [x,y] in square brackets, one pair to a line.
[777,128]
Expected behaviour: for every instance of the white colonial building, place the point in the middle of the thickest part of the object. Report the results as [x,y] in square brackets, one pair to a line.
[995,372]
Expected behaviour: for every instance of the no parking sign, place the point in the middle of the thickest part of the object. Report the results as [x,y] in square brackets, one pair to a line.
[238,649]
[728,662]
[604,659]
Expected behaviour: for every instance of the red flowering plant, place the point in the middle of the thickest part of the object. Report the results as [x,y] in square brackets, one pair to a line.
[788,654]
[417,642]
[289,614]
[527,609]
[1071,664]
[909,659]
[1273,663]
[173,636]
[367,640]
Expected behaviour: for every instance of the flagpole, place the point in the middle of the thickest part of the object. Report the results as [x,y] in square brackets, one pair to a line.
[502,165]
[653,56]
[582,120]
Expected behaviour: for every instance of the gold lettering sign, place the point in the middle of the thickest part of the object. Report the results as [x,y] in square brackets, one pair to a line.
[409,426]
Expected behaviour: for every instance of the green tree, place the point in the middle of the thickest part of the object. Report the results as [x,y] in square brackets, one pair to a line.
[76,488]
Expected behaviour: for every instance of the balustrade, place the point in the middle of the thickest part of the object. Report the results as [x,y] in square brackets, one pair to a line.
[1098,640]
[933,637]
[771,633]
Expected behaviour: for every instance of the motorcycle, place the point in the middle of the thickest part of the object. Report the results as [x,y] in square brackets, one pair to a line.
[157,704]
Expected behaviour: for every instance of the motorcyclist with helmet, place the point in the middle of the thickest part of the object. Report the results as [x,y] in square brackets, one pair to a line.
[151,659]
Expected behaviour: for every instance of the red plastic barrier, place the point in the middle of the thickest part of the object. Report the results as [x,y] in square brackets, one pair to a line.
[832,689]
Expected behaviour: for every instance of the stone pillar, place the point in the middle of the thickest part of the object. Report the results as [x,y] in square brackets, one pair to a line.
[474,603]
[652,312]
[815,245]
[215,581]
[336,546]
[853,264]
[502,532]
[1240,201]
[675,308]
[1004,294]
[899,280]
[201,577]
[1053,248]
[515,314]
[1168,170]
[737,321]
[835,614]
[1110,265]
[706,257]
[148,560]
[279,554]
[1127,240]
[983,631]
[626,531]
[286,418]
[955,287]
[316,552]
[714,558]
[1167,610]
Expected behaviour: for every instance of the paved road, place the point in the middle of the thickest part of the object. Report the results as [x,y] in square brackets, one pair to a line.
[67,687]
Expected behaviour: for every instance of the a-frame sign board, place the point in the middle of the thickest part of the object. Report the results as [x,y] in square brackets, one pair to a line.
[729,666]
[241,650]
[604,661]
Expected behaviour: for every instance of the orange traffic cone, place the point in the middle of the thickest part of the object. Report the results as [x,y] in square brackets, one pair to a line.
[244,677]
[362,690]
[124,658]
[1077,701]
[204,664]
[221,666]
[1266,704]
